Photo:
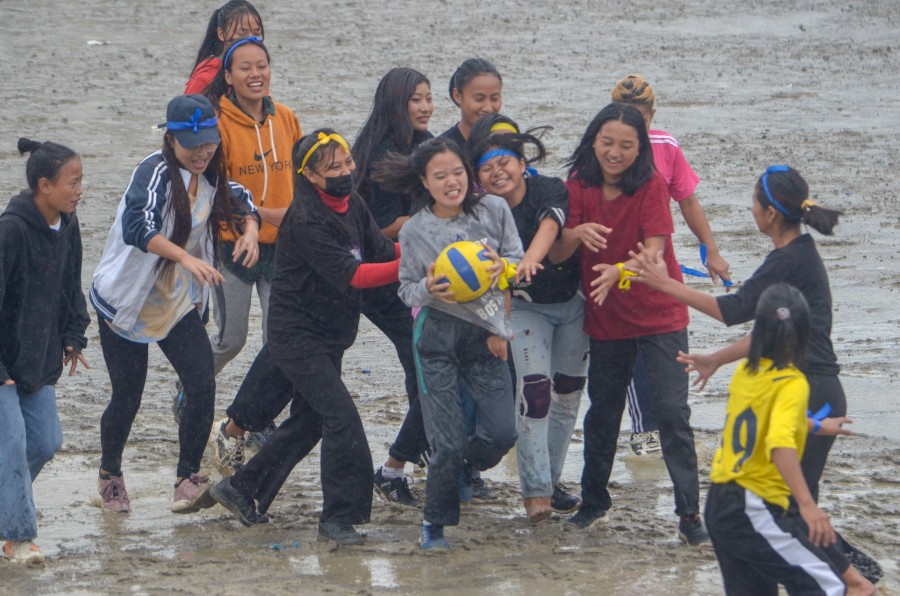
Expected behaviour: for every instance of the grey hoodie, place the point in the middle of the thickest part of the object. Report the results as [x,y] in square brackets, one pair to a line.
[424,236]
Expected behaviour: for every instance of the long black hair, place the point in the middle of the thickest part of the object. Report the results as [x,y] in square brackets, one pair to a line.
[389,118]
[791,195]
[583,164]
[484,137]
[781,329]
[404,173]
[221,217]
[44,161]
[219,86]
[224,18]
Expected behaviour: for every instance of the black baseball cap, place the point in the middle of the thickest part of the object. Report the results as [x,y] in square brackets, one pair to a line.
[192,120]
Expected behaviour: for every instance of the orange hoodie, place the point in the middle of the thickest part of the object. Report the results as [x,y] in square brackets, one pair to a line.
[259,156]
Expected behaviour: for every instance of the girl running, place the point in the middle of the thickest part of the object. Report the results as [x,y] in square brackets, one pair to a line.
[681,182]
[781,204]
[232,21]
[398,123]
[258,135]
[152,285]
[549,347]
[43,317]
[616,200]
[454,340]
[330,248]
[476,88]
[759,539]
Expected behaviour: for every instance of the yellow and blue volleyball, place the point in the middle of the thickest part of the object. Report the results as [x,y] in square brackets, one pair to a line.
[465,265]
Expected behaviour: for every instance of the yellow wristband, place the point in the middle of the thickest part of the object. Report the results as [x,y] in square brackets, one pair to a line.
[509,272]
[624,274]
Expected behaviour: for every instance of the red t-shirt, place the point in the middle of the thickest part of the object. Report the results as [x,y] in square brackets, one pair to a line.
[639,311]
[203,75]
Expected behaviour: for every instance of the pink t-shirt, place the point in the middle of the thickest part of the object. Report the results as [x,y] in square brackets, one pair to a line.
[640,311]
[670,162]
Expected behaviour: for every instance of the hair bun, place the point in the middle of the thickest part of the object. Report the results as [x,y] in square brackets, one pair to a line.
[27,145]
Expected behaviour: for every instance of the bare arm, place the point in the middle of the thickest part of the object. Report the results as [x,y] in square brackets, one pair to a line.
[538,249]
[592,235]
[610,274]
[271,215]
[204,272]
[695,217]
[707,364]
[788,464]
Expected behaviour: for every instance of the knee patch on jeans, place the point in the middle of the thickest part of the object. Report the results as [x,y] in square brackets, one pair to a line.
[536,396]
[564,384]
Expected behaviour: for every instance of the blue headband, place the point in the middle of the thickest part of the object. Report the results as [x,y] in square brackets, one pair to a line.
[765,182]
[495,153]
[240,42]
[194,123]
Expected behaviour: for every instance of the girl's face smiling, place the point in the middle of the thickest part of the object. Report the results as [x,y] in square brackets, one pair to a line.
[446,180]
[194,160]
[249,73]
[504,176]
[62,194]
[420,107]
[616,147]
[243,26]
[480,96]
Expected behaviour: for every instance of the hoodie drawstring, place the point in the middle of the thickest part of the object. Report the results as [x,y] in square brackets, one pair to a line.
[262,152]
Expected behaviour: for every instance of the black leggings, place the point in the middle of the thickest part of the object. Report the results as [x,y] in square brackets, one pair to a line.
[187,349]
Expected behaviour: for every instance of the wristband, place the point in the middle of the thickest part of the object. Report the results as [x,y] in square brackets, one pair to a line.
[817,425]
[624,274]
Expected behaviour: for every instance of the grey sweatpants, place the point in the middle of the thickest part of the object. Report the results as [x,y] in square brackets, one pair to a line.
[447,349]
[231,311]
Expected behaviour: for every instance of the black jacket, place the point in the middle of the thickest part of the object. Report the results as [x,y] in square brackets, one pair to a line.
[42,307]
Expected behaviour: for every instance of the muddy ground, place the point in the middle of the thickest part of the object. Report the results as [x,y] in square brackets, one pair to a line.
[809,83]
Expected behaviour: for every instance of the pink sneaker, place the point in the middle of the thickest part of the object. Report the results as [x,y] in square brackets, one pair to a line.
[114,495]
[192,494]
[24,552]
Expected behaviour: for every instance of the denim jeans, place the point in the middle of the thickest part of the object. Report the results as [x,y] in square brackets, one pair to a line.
[31,434]
[550,353]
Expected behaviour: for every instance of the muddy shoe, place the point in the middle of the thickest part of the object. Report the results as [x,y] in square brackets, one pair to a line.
[237,502]
[538,509]
[432,539]
[227,451]
[340,533]
[481,490]
[586,519]
[395,490]
[23,552]
[562,500]
[690,530]
[192,494]
[646,443]
[113,493]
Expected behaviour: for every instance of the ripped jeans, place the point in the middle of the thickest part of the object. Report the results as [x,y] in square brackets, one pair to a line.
[550,353]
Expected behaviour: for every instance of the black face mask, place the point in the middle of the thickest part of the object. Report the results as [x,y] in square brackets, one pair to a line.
[339,186]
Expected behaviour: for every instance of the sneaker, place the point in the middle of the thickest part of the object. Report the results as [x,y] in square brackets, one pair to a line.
[690,530]
[192,494]
[237,502]
[227,451]
[113,493]
[178,402]
[562,500]
[481,491]
[24,552]
[433,540]
[340,533]
[395,490]
[586,519]
[646,443]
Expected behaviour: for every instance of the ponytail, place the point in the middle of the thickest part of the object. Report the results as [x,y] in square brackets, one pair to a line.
[785,190]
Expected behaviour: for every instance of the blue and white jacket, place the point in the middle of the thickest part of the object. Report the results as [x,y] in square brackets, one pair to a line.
[124,277]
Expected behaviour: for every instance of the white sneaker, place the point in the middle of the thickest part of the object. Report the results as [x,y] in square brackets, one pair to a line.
[24,552]
[646,443]
[227,451]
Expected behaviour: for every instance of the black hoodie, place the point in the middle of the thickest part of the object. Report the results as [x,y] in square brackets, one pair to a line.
[42,306]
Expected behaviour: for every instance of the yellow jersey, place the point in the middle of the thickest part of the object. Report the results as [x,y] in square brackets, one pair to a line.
[766,410]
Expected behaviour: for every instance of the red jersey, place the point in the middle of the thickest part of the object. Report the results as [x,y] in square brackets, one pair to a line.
[639,311]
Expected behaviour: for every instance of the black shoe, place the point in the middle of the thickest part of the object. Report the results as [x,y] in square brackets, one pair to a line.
[586,519]
[395,490]
[866,565]
[690,530]
[481,491]
[562,500]
[237,502]
[340,533]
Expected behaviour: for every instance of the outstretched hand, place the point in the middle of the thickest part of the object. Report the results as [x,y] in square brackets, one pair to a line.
[704,364]
[650,266]
[832,427]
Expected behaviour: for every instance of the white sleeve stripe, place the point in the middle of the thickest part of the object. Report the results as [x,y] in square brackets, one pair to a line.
[152,197]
